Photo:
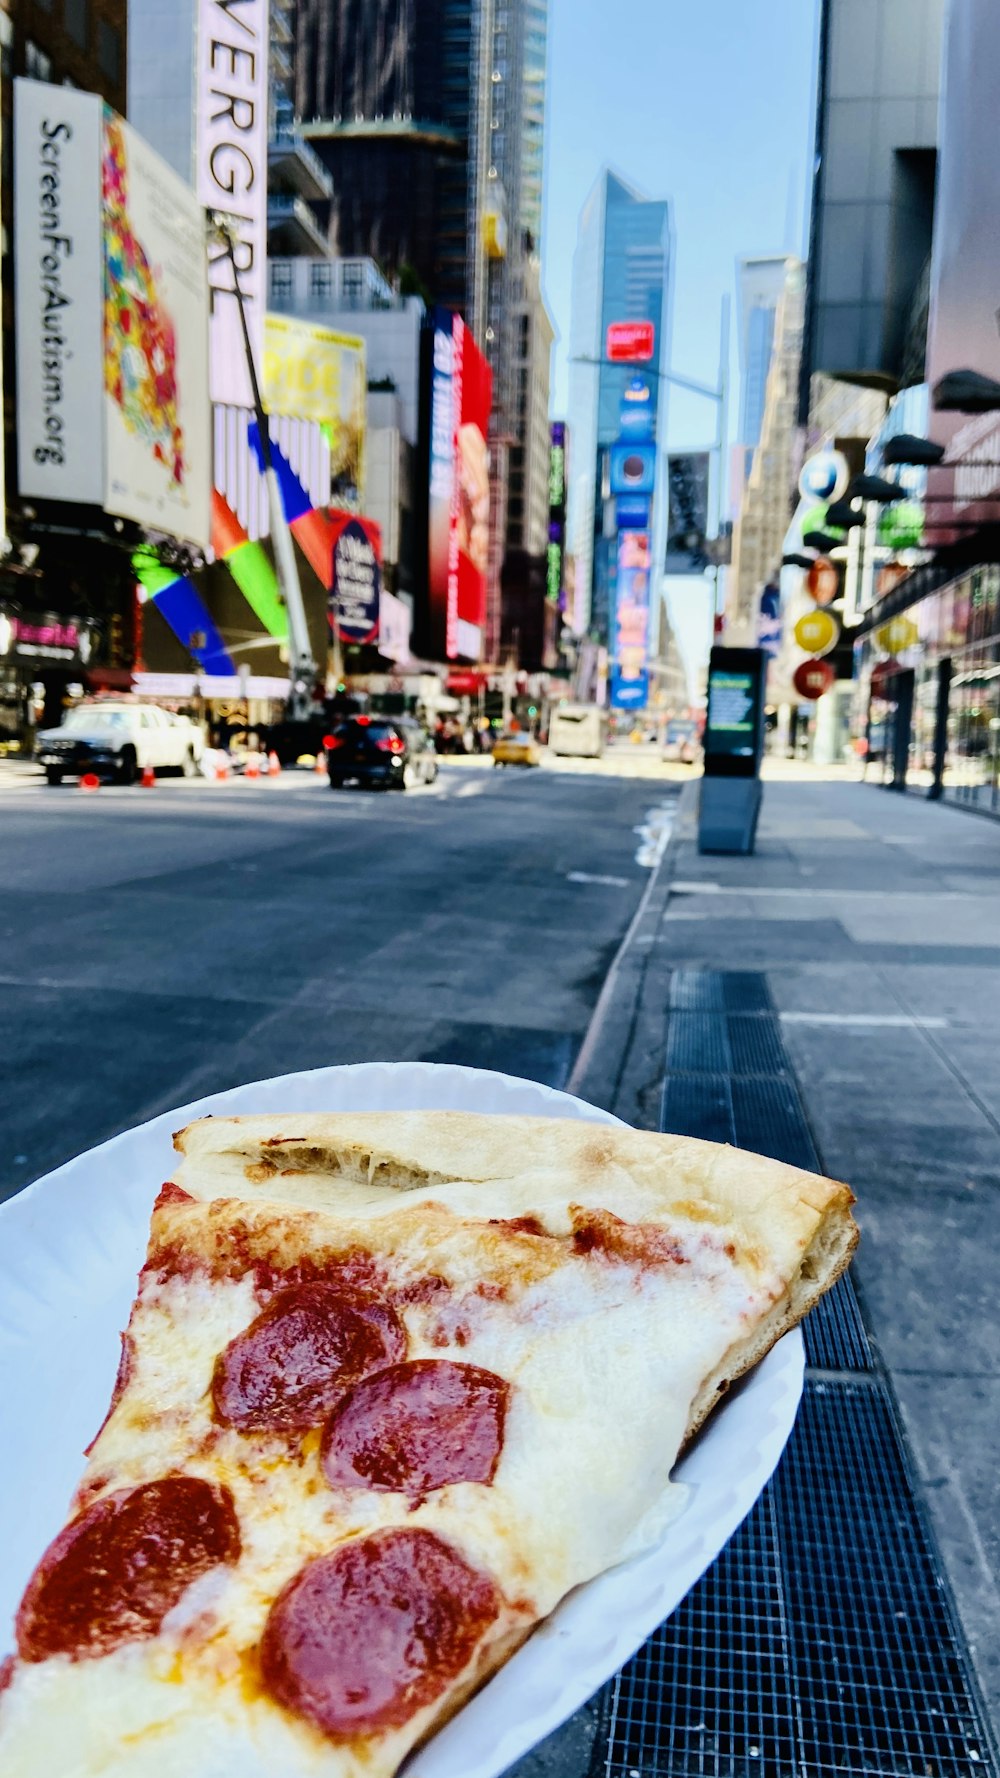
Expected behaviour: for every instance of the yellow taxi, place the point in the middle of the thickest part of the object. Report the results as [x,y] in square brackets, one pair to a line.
[517,750]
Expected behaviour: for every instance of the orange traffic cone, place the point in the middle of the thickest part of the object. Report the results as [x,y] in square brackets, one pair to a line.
[273,763]
[221,767]
[90,781]
[148,778]
[253,765]
[320,767]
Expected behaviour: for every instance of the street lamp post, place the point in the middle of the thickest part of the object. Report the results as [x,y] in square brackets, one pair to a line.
[301,665]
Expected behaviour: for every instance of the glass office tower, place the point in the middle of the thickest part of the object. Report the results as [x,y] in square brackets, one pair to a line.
[622,272]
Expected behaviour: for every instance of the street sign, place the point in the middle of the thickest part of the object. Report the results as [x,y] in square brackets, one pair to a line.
[812,678]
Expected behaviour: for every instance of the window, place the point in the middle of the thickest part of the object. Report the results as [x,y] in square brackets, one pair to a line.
[281,278]
[353,284]
[76,20]
[321,280]
[109,51]
[37,65]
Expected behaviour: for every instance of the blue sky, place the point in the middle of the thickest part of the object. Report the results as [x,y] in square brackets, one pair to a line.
[705,102]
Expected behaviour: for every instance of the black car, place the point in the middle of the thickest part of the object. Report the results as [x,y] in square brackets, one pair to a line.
[382,752]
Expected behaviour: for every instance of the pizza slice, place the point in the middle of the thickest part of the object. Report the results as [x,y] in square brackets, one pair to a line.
[356,1453]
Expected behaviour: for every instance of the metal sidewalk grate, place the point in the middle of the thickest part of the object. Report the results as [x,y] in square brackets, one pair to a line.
[820,1642]
[729,1079]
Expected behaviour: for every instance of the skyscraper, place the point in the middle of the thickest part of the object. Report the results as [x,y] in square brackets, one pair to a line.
[760,282]
[622,272]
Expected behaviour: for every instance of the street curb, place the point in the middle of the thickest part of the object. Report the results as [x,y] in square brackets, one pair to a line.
[605,1072]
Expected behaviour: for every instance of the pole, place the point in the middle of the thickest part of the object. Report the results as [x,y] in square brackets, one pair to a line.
[722,441]
[302,667]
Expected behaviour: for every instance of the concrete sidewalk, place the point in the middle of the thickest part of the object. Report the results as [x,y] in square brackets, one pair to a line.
[875,919]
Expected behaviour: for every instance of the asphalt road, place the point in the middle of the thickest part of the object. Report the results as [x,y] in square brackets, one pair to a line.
[162,944]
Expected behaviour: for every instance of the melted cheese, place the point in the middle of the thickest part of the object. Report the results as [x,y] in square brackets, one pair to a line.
[604,1359]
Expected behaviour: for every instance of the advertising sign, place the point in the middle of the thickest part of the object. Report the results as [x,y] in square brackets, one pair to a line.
[356,578]
[632,512]
[58,284]
[157,416]
[816,632]
[824,476]
[394,622]
[687,515]
[812,678]
[629,679]
[231,177]
[823,581]
[633,468]
[459,491]
[965,266]
[631,342]
[556,550]
[769,622]
[637,418]
[313,373]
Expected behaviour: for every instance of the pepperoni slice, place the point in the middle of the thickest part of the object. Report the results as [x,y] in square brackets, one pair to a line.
[285,1371]
[114,1572]
[362,1639]
[415,1427]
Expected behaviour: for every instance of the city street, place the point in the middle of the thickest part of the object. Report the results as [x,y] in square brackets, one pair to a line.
[159,945]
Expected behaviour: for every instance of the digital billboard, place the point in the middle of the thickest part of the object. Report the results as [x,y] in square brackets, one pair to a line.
[633,468]
[157,418]
[461,394]
[631,342]
[628,678]
[555,559]
[231,177]
[734,724]
[314,373]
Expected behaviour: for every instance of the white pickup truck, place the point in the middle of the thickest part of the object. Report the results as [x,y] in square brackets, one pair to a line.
[119,741]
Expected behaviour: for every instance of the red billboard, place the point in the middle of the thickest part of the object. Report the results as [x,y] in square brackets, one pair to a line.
[631,342]
[459,531]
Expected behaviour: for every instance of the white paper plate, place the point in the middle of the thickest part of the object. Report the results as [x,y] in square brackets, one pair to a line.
[70,1248]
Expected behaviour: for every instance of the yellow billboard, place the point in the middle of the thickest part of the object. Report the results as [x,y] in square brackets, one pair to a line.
[313,373]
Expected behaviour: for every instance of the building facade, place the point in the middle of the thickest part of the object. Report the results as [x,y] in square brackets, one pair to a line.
[873,191]
[766,506]
[528,479]
[622,273]
[760,283]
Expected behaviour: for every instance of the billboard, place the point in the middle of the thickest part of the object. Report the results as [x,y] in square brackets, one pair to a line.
[157,418]
[461,394]
[631,342]
[58,284]
[629,680]
[687,512]
[633,468]
[356,578]
[314,373]
[231,176]
[555,559]
[965,266]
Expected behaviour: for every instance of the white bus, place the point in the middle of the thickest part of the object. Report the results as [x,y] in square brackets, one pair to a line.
[579,730]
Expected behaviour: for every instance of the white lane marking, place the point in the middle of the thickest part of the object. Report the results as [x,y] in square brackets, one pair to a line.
[585,876]
[876,1020]
[468,790]
[654,834]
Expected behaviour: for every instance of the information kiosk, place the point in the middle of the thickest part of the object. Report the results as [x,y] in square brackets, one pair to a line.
[733,744]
